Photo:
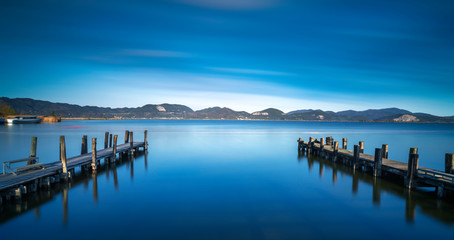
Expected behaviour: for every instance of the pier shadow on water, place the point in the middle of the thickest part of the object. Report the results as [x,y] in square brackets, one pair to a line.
[33,201]
[425,200]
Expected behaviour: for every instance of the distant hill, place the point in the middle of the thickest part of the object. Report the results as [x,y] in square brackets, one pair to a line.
[177,111]
[219,113]
[269,114]
[302,111]
[374,114]
[316,115]
[38,107]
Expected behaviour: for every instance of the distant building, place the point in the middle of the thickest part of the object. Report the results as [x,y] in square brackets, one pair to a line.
[161,108]
[260,113]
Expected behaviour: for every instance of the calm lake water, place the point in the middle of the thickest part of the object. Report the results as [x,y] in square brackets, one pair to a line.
[228,180]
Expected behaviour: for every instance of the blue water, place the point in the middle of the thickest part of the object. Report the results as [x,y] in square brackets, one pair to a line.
[229,180]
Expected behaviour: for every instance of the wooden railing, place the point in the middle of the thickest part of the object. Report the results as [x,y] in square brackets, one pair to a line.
[32,163]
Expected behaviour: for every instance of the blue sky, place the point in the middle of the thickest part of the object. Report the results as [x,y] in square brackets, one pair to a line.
[243,54]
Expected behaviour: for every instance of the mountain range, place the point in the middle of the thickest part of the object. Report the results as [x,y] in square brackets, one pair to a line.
[176,111]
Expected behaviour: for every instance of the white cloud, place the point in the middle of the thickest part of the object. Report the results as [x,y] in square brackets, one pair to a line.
[152,53]
[232,4]
[249,71]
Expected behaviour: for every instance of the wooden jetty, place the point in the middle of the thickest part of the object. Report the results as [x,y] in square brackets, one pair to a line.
[26,179]
[379,165]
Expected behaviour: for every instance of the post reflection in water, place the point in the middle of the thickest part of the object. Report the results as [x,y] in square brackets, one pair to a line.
[94,177]
[376,191]
[33,201]
[107,172]
[36,210]
[132,169]
[310,162]
[114,170]
[355,183]
[146,160]
[436,208]
[65,205]
[85,183]
[410,208]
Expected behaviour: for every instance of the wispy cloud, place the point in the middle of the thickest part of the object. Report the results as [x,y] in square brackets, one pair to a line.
[232,4]
[381,34]
[152,53]
[249,71]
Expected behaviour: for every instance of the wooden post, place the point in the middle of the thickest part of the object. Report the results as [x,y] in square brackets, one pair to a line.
[33,150]
[328,141]
[63,154]
[126,136]
[384,149]
[356,152]
[110,140]
[93,154]
[335,150]
[413,160]
[114,152]
[106,139]
[322,146]
[131,141]
[449,163]
[310,145]
[361,147]
[377,162]
[145,140]
[33,147]
[84,148]
[344,143]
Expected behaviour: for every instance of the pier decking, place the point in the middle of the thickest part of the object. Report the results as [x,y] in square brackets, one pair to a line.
[15,184]
[379,165]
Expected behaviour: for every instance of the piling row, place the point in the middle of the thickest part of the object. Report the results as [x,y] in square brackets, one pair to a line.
[378,165]
[35,176]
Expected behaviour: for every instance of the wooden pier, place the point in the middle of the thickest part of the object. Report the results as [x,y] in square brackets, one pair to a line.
[30,178]
[378,165]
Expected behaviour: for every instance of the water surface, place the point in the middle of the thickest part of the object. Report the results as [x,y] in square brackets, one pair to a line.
[229,180]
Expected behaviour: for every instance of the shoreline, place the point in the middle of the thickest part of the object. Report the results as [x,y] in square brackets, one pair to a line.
[276,120]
